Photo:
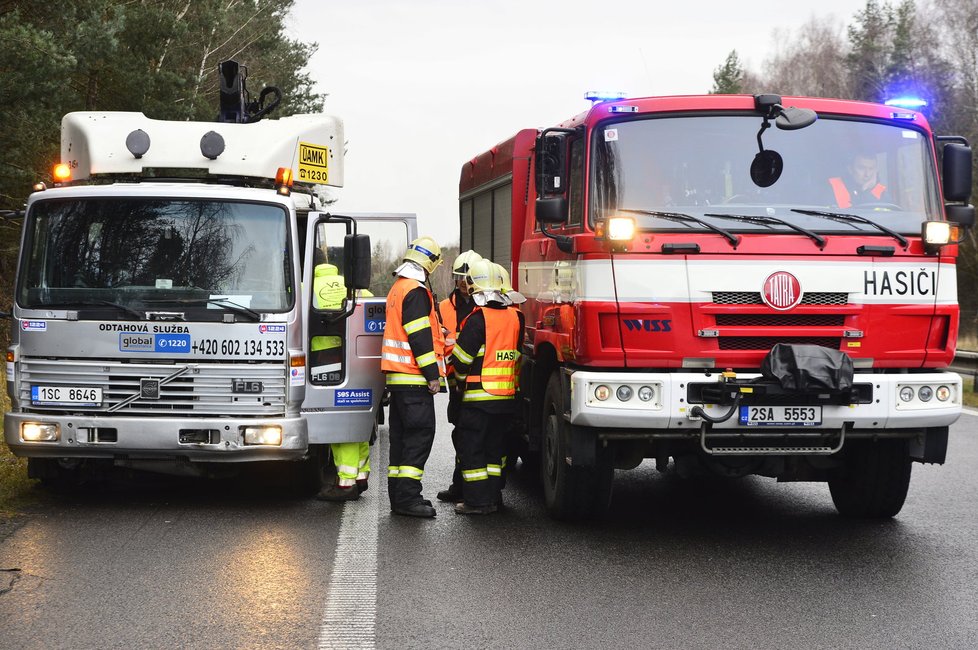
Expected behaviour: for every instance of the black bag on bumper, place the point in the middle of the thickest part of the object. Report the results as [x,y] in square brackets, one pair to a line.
[808,368]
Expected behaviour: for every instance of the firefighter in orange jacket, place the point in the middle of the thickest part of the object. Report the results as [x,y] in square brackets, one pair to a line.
[861,184]
[486,358]
[412,359]
[453,311]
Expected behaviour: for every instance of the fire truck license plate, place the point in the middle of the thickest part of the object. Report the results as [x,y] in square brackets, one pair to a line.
[66,395]
[780,416]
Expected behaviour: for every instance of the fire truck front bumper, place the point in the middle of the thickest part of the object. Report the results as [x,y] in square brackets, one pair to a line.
[50,435]
[662,402]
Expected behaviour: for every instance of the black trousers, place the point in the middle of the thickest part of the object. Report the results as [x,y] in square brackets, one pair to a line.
[412,432]
[481,442]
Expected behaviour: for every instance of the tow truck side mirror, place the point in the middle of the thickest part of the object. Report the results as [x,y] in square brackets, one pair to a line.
[356,261]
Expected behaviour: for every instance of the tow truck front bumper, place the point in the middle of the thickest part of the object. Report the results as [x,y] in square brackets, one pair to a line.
[194,439]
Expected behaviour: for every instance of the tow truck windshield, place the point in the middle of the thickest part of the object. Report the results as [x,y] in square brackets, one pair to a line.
[699,166]
[137,254]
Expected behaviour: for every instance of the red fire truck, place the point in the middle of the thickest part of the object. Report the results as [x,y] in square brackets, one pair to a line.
[729,298]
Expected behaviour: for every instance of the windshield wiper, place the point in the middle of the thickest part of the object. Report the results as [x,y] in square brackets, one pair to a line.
[766,219]
[99,303]
[687,218]
[226,304]
[855,218]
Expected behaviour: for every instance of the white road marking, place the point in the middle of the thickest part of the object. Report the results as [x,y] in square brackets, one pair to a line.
[351,607]
[970,411]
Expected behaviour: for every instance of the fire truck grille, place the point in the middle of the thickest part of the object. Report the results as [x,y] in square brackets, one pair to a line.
[767,342]
[781,320]
[204,389]
[754,298]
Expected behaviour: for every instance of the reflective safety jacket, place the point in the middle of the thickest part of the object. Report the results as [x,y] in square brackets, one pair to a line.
[489,372]
[413,349]
[842,197]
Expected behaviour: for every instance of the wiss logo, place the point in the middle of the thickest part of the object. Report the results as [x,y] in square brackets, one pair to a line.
[636,325]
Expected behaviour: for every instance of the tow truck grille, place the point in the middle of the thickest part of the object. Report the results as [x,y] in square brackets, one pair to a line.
[206,389]
[754,298]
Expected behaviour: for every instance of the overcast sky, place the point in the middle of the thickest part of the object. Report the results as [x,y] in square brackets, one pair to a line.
[425,85]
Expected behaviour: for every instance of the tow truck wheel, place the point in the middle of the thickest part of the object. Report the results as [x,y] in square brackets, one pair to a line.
[570,492]
[55,474]
[315,471]
[873,481]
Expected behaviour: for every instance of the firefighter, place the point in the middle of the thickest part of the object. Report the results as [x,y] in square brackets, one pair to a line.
[486,358]
[453,311]
[412,359]
[861,184]
[352,459]
[513,442]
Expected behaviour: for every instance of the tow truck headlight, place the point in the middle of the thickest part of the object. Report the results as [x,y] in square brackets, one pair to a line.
[906,393]
[267,435]
[601,393]
[943,393]
[39,432]
[621,228]
[645,393]
[925,393]
[624,393]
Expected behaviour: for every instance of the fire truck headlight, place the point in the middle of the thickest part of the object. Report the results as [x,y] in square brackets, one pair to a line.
[939,233]
[621,228]
[601,393]
[906,393]
[925,393]
[943,393]
[267,435]
[39,432]
[646,393]
[624,393]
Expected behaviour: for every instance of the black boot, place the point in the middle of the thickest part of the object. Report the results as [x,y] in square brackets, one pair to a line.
[451,495]
[336,493]
[420,509]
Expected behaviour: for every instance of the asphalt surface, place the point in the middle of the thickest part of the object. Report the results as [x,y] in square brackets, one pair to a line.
[161,562]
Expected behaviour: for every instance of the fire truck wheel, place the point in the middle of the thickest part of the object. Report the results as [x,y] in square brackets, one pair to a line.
[873,481]
[570,492]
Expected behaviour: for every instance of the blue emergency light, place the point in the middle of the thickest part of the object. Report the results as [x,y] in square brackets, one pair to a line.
[906,102]
[601,96]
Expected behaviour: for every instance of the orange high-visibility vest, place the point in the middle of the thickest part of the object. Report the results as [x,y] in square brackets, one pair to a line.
[449,320]
[842,197]
[396,357]
[500,358]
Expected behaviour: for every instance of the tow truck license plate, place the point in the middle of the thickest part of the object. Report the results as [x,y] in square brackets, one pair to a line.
[66,396]
[780,416]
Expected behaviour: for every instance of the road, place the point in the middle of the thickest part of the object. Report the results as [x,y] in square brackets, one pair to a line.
[160,562]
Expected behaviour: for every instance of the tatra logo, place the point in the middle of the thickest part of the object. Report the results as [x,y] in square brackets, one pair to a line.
[505,355]
[781,291]
[637,325]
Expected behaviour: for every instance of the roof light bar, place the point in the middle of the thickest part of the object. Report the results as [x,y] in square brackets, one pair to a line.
[602,96]
[906,102]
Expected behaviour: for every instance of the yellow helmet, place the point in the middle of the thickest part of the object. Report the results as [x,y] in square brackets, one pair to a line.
[424,252]
[504,274]
[463,261]
[484,276]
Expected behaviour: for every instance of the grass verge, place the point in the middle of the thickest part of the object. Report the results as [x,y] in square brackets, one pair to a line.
[968,395]
[14,484]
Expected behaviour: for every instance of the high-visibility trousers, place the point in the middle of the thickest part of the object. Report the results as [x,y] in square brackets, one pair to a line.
[352,462]
[411,432]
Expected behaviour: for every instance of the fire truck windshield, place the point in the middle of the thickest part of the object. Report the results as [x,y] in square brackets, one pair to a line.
[699,165]
[155,253]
